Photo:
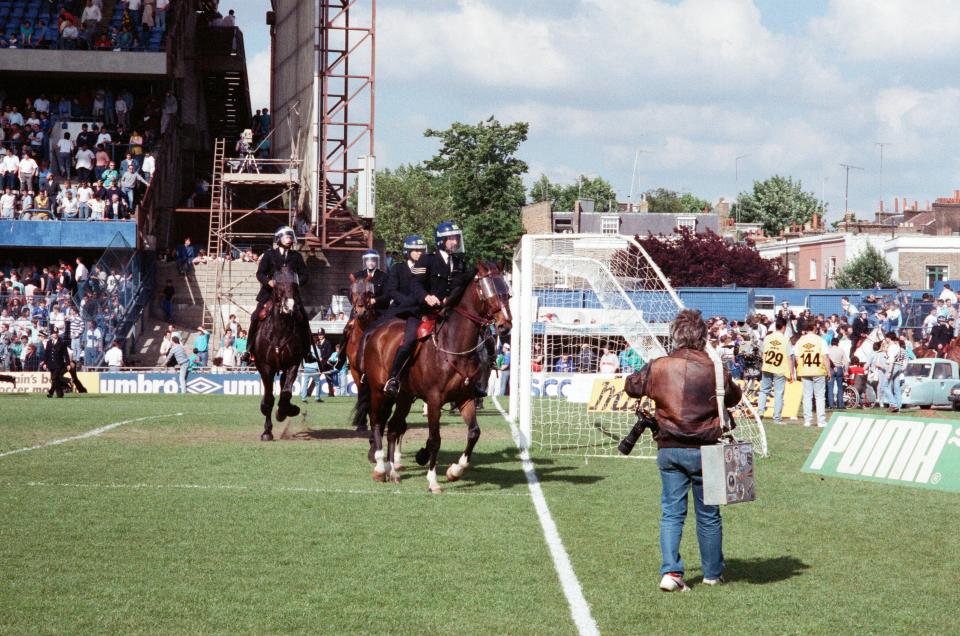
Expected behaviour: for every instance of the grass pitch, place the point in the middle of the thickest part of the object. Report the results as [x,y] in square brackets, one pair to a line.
[184,524]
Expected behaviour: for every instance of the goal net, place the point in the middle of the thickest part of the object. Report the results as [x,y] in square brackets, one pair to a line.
[589,309]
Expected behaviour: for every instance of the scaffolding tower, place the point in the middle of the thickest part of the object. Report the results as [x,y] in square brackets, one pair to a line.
[274,185]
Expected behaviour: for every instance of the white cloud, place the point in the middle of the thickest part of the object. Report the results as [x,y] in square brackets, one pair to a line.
[258,78]
[909,30]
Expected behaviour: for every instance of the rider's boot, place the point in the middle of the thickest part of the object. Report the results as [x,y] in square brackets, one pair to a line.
[392,387]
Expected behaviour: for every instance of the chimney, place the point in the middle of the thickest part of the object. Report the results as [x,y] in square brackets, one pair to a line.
[914,205]
[956,196]
[904,204]
[927,204]
[896,205]
[881,205]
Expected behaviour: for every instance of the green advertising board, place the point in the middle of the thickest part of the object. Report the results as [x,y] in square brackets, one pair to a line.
[923,453]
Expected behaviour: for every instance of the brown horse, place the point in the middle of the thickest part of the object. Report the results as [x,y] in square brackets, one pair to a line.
[444,369]
[279,349]
[364,315]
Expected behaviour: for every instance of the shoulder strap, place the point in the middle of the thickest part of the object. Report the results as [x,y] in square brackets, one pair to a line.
[721,392]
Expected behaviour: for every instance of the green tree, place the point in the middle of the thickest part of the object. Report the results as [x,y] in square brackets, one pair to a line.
[776,203]
[663,200]
[484,176]
[410,200]
[864,271]
[563,197]
[693,204]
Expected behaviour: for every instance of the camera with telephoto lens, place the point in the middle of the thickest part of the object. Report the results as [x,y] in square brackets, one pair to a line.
[644,421]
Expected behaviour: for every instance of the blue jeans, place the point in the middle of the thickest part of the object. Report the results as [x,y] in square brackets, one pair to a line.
[204,357]
[815,386]
[835,389]
[505,382]
[779,384]
[184,371]
[893,389]
[680,469]
[311,372]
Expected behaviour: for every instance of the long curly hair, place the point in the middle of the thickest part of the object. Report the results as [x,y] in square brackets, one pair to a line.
[688,331]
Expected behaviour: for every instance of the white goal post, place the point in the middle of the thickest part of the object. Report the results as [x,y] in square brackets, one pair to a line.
[589,309]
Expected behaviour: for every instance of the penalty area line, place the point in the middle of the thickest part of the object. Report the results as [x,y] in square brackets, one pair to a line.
[90,433]
[579,608]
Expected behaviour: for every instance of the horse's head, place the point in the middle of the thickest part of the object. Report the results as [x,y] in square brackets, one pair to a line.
[361,292]
[286,286]
[493,301]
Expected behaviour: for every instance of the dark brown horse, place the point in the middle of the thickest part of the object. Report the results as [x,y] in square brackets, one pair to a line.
[279,349]
[445,368]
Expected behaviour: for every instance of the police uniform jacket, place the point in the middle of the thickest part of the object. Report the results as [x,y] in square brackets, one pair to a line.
[270,265]
[55,356]
[405,289]
[379,287]
[445,278]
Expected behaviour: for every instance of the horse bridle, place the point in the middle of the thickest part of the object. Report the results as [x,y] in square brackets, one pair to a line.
[486,289]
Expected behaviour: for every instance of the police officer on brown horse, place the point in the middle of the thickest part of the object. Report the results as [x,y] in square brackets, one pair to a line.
[377,277]
[406,289]
[445,267]
[271,263]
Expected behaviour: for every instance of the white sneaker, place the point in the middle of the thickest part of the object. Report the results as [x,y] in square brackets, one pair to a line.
[673,583]
[717,581]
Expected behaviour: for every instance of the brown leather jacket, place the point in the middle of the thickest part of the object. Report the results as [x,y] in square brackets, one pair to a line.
[683,386]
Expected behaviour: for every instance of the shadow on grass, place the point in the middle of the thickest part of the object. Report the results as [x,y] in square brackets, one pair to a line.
[330,433]
[761,571]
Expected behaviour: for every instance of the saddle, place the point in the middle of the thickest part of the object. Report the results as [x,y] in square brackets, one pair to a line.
[265,311]
[426,326]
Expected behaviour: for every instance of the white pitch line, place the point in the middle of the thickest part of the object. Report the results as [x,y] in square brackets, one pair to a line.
[91,433]
[253,489]
[579,608]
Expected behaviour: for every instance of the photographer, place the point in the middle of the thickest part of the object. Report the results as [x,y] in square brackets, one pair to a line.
[683,386]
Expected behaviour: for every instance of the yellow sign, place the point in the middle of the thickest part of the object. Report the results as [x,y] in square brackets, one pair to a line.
[39,382]
[792,397]
[607,396]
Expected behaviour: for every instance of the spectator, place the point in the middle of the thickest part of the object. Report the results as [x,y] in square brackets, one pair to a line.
[202,345]
[178,356]
[8,204]
[11,169]
[161,18]
[185,255]
[503,366]
[69,206]
[28,171]
[65,148]
[149,166]
[839,362]
[128,183]
[609,363]
[92,344]
[113,358]
[117,208]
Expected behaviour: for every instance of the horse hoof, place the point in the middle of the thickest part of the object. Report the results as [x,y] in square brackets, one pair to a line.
[293,410]
[395,478]
[266,437]
[379,477]
[452,474]
[435,490]
[422,456]
[399,467]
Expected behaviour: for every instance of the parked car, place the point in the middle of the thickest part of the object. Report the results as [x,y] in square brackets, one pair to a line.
[931,382]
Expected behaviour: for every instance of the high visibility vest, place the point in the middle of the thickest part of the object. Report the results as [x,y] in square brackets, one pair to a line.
[776,354]
[811,353]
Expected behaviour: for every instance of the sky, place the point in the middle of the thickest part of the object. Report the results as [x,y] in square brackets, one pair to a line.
[681,87]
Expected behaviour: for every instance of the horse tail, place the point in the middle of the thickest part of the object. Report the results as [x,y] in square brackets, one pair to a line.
[361,408]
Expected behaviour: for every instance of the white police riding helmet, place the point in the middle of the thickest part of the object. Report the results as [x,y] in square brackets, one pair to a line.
[285,230]
[371,255]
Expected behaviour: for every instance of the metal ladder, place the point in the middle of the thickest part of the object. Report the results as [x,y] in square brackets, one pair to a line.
[216,198]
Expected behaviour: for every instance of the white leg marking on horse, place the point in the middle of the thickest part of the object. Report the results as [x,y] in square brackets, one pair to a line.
[432,482]
[380,467]
[579,608]
[464,461]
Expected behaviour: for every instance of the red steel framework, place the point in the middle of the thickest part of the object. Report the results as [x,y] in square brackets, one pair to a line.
[346,116]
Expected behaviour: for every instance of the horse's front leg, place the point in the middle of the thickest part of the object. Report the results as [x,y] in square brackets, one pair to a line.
[396,427]
[469,412]
[379,411]
[284,408]
[433,444]
[266,404]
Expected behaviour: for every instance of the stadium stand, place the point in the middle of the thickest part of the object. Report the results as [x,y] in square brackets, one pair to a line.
[107,26]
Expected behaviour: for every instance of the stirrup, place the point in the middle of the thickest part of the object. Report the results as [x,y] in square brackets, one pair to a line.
[392,387]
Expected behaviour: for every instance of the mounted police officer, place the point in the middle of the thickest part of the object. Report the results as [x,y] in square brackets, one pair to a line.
[371,269]
[272,261]
[406,289]
[445,267]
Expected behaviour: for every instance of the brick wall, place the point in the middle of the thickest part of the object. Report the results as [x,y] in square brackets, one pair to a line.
[913,266]
[537,219]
